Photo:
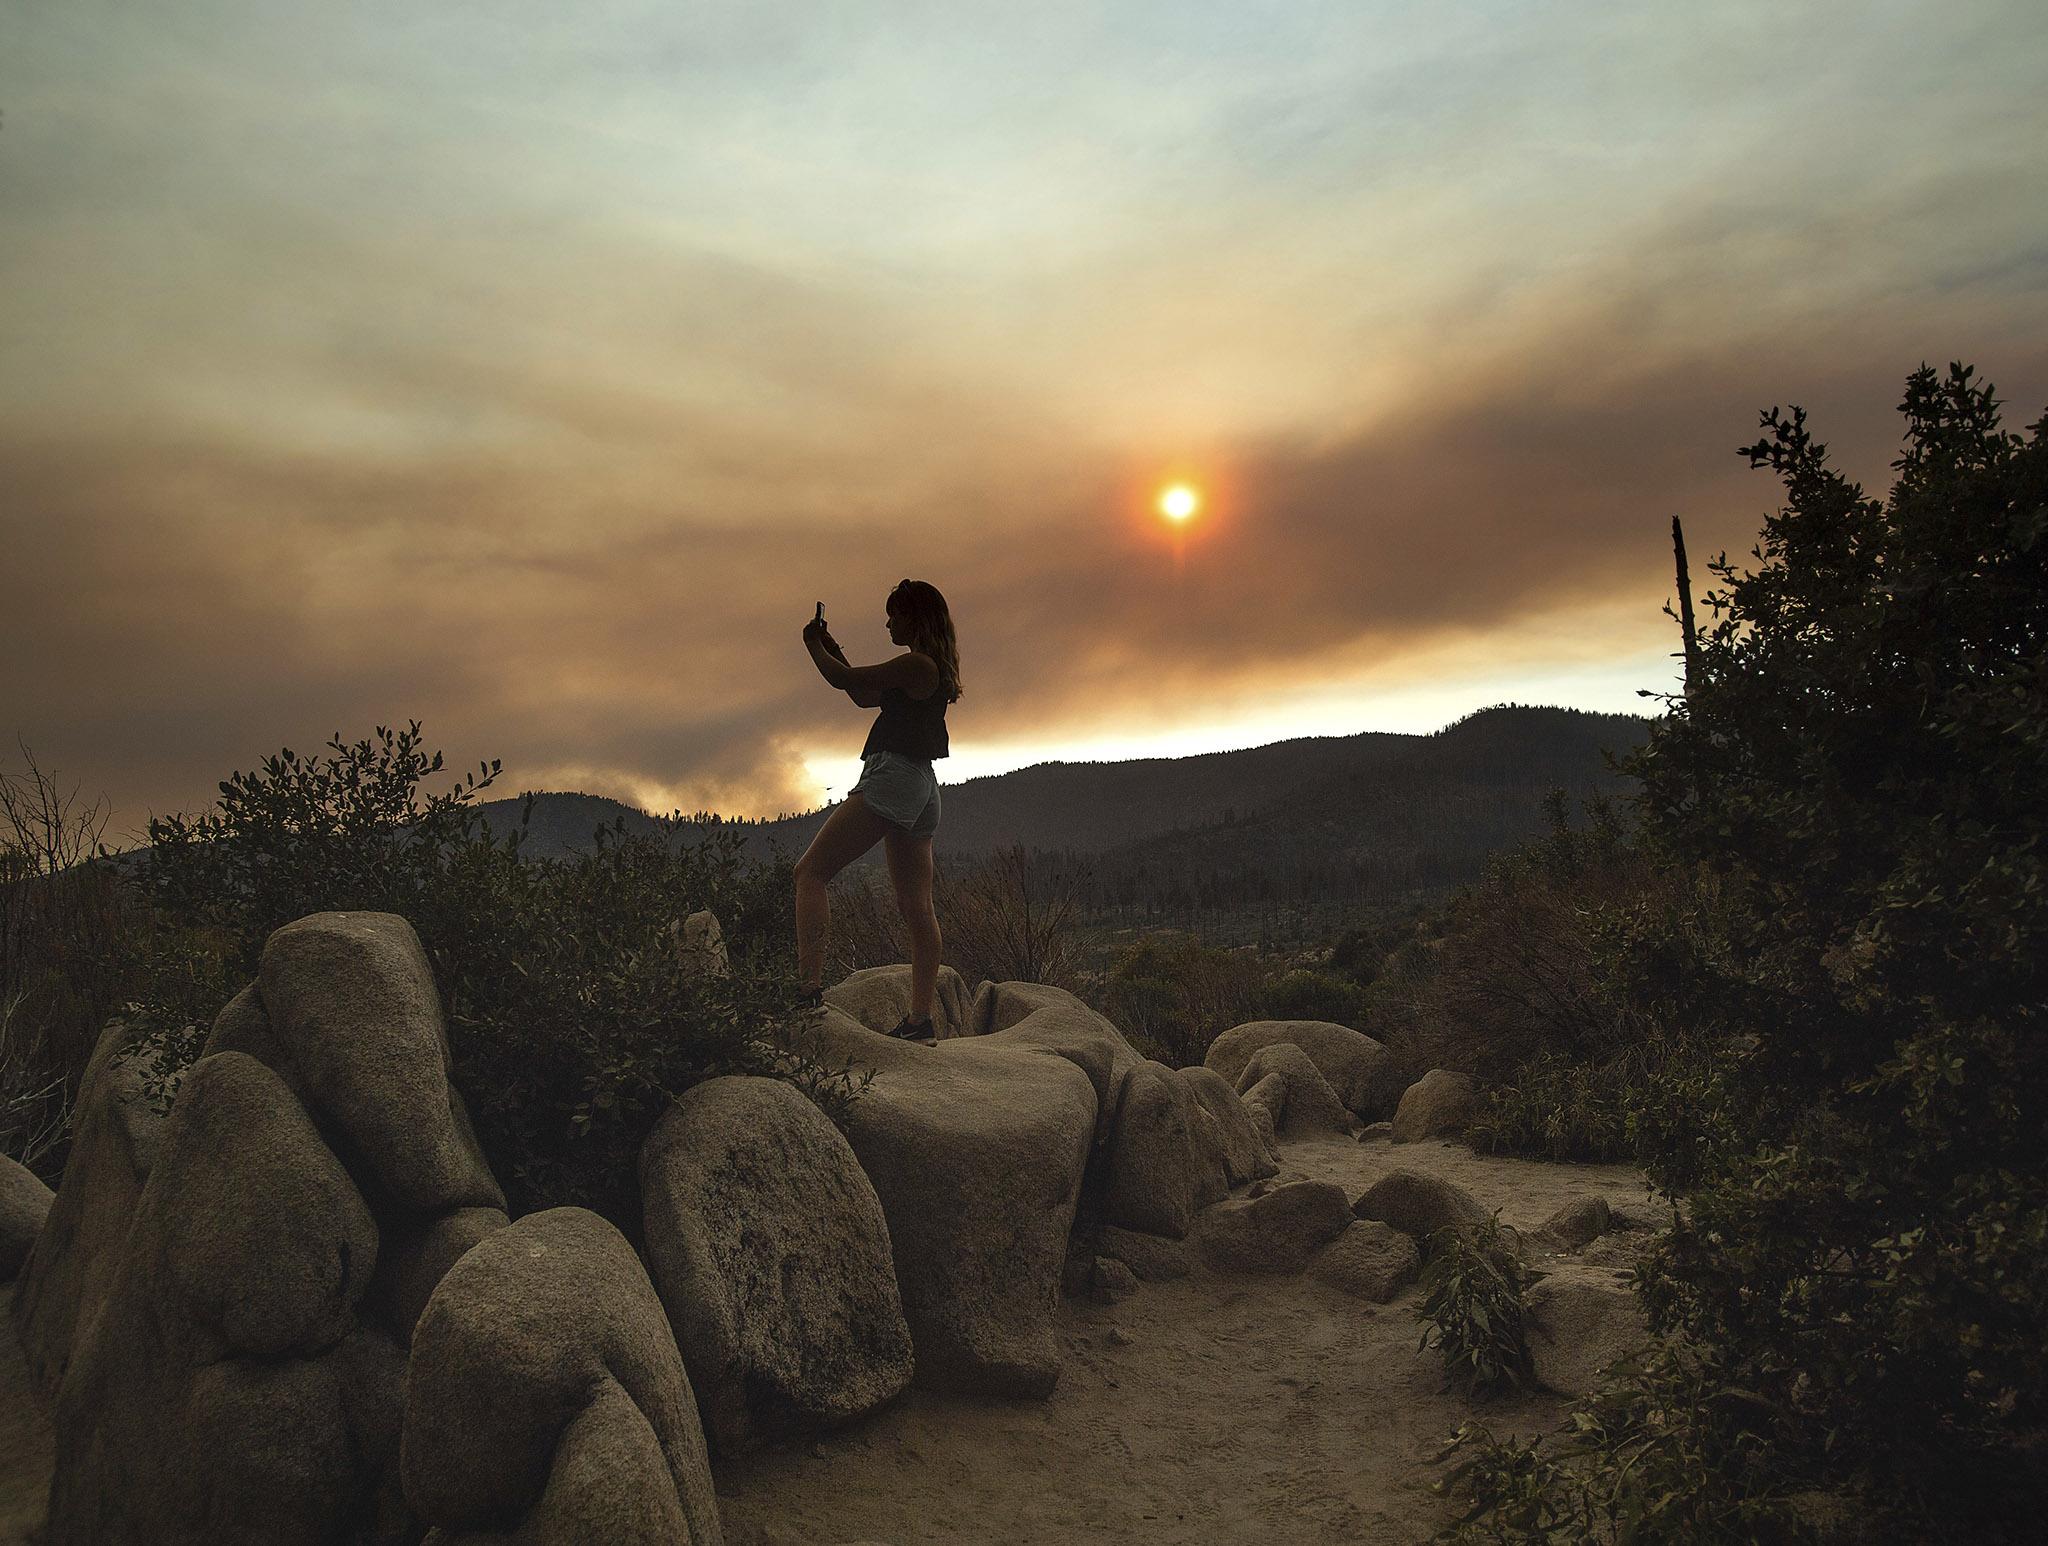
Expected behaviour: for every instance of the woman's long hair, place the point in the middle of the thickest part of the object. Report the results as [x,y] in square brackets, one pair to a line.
[931,630]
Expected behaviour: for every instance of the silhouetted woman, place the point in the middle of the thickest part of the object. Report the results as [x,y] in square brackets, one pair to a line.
[897,798]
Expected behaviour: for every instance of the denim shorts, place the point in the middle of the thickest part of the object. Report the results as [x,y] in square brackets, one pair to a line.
[901,790]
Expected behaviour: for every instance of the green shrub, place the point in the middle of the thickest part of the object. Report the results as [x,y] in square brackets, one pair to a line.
[1472,1305]
[1558,1107]
[1514,966]
[1303,994]
[1852,778]
[1667,1451]
[1172,995]
[1859,760]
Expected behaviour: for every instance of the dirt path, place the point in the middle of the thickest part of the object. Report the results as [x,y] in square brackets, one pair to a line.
[1212,1410]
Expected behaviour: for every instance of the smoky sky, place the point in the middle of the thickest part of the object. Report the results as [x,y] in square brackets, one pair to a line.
[532,372]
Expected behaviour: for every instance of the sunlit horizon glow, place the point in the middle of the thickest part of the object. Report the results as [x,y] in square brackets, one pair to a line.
[533,374]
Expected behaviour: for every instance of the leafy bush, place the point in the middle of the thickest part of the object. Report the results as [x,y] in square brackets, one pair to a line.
[347,831]
[1855,772]
[1472,1305]
[1669,1450]
[1172,995]
[1860,759]
[1559,1107]
[1512,966]
[1304,994]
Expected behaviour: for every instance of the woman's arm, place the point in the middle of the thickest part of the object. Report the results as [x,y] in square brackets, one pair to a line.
[916,674]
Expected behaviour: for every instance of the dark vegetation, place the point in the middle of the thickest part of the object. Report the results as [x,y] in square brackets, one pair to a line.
[1472,1310]
[1815,1010]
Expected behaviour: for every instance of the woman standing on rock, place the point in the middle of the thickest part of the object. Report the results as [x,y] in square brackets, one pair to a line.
[897,798]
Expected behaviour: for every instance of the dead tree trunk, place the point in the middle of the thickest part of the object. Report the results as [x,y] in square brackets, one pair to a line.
[1692,643]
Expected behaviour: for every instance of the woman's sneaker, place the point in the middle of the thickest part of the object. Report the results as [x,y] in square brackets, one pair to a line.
[920,1031]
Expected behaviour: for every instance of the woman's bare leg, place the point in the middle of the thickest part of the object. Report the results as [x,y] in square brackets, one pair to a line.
[910,867]
[848,833]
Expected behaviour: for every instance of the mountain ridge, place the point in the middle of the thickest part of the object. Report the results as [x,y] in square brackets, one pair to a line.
[1372,810]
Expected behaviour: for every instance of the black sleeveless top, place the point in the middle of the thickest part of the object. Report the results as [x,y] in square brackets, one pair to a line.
[916,727]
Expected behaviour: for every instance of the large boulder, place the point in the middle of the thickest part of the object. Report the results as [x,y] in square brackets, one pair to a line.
[1580,1319]
[1231,1145]
[769,1249]
[1153,1258]
[1439,1102]
[545,1397]
[1576,1225]
[1419,1204]
[976,1148]
[1358,1068]
[999,1005]
[350,1004]
[115,1135]
[879,996]
[1283,1089]
[24,1204]
[1369,1260]
[224,1389]
[699,944]
[416,1256]
[1149,1159]
[1277,1233]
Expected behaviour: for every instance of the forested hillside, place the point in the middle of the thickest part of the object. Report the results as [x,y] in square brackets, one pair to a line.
[1371,817]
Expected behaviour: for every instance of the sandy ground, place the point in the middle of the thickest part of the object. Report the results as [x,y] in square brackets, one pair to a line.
[24,1437]
[1212,1410]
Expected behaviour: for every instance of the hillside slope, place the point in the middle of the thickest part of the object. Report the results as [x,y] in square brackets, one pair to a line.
[1338,815]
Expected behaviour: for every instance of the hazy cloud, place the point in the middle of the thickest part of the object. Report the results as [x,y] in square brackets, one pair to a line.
[532,375]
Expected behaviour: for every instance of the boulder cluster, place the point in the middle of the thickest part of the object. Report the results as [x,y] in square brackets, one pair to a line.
[295,1309]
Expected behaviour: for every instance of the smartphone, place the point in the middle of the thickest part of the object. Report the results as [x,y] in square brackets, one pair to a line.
[821,613]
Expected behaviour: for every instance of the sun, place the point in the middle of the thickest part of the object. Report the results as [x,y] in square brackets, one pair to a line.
[1178,502]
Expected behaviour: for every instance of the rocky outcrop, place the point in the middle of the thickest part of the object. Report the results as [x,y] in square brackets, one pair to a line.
[24,1204]
[352,1010]
[879,996]
[768,1247]
[1152,1258]
[225,1388]
[1353,1064]
[1419,1205]
[699,944]
[999,1005]
[115,1135]
[1228,1148]
[1111,1282]
[1576,1225]
[1580,1319]
[1277,1233]
[1370,1261]
[976,1148]
[1439,1102]
[416,1256]
[546,1397]
[1285,1092]
[1149,1158]
[219,1303]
